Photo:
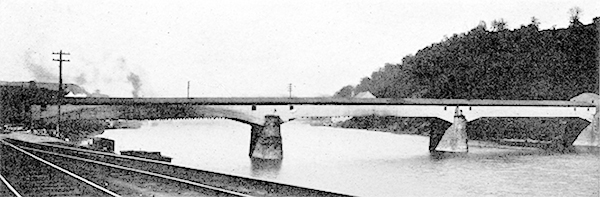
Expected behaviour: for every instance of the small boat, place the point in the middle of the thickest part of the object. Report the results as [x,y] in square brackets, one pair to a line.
[147,155]
[99,144]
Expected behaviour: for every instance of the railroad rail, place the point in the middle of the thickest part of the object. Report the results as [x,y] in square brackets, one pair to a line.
[109,170]
[25,174]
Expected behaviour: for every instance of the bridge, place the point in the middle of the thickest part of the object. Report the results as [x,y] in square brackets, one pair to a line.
[265,115]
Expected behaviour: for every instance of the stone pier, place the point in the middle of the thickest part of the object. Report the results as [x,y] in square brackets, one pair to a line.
[590,136]
[454,139]
[265,141]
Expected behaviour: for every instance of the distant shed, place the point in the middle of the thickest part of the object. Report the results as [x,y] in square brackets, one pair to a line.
[366,94]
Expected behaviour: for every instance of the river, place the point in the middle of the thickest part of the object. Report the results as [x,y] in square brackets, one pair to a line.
[367,163]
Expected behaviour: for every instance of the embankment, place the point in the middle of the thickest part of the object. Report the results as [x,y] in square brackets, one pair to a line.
[558,130]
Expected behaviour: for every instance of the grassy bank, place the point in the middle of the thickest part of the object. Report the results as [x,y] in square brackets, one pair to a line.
[73,129]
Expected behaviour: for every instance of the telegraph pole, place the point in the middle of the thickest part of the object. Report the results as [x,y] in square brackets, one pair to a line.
[290,89]
[60,60]
[188,90]
[597,24]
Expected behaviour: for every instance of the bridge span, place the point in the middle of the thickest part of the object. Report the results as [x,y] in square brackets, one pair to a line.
[265,115]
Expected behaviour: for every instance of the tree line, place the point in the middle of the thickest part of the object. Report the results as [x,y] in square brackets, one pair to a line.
[494,63]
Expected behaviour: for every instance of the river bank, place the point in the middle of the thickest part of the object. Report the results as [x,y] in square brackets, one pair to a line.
[50,136]
[29,137]
[529,130]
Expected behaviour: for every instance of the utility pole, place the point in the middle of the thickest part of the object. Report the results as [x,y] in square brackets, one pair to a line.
[290,89]
[188,90]
[597,24]
[60,60]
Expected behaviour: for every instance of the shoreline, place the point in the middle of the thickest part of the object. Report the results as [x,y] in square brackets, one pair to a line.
[30,137]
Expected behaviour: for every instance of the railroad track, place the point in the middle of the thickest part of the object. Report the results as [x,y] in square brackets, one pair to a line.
[133,176]
[24,174]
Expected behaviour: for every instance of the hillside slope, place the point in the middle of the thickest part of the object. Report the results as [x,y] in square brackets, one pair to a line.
[520,64]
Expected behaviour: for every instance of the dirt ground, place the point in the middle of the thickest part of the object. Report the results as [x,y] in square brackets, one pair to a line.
[28,137]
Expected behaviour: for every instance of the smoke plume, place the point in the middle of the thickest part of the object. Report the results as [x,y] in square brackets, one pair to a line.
[98,94]
[80,80]
[136,83]
[39,72]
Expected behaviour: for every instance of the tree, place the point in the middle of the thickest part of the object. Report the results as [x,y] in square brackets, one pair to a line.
[575,13]
[364,85]
[482,26]
[535,22]
[499,25]
[345,92]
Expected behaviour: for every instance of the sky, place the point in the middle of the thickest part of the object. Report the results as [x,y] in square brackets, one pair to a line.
[240,48]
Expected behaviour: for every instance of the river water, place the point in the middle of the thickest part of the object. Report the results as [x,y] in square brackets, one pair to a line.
[367,163]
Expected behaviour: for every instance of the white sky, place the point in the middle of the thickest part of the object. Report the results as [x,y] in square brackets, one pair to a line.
[241,48]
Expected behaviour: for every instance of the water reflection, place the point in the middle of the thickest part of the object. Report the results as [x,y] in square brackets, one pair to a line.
[588,150]
[268,168]
[440,155]
[514,152]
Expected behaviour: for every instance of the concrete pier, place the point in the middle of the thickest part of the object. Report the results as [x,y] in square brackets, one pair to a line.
[454,138]
[265,141]
[590,136]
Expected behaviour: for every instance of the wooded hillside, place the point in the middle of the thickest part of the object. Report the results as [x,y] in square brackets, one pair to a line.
[524,63]
[519,64]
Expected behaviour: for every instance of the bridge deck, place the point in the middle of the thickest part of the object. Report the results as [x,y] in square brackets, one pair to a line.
[317,101]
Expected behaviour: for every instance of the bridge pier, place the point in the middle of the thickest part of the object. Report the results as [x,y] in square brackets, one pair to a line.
[590,136]
[454,139]
[265,141]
